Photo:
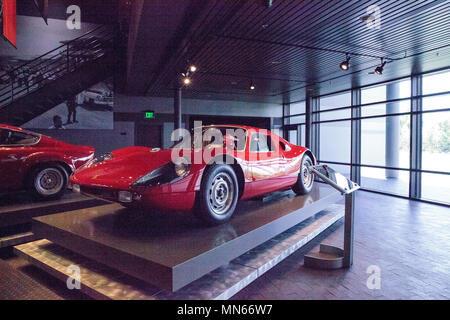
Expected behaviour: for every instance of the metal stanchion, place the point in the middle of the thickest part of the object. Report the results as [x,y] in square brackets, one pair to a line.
[332,257]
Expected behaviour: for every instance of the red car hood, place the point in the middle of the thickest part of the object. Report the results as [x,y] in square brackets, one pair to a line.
[54,143]
[126,167]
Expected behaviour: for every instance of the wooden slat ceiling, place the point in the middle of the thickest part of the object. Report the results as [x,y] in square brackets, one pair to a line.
[294,45]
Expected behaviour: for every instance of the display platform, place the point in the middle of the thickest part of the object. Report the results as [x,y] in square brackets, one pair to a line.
[101,282]
[17,211]
[20,208]
[172,250]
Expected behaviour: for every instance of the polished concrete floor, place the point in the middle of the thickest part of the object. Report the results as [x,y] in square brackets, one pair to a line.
[407,242]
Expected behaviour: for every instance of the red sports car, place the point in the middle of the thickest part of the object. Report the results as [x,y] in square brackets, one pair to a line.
[220,165]
[38,163]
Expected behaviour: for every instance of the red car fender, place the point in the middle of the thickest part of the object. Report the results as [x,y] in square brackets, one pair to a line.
[45,157]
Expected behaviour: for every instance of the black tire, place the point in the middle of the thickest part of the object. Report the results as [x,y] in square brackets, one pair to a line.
[48,182]
[305,179]
[218,196]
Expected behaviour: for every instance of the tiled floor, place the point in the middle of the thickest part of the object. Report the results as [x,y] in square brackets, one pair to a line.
[408,241]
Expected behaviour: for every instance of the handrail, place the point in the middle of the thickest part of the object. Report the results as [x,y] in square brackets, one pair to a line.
[36,73]
[53,50]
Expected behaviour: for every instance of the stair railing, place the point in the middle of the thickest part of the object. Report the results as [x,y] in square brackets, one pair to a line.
[37,73]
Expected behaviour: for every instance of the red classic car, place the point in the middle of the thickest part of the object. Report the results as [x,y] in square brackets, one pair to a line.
[38,163]
[220,165]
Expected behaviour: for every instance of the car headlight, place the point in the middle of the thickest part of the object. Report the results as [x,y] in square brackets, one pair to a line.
[105,157]
[168,173]
[181,169]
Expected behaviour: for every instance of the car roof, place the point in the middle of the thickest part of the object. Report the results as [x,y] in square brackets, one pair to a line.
[232,126]
[5,126]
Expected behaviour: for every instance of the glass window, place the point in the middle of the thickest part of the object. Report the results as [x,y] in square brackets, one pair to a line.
[386,141]
[373,94]
[393,90]
[297,120]
[436,102]
[336,101]
[335,138]
[261,143]
[386,108]
[336,115]
[292,136]
[436,187]
[389,181]
[436,141]
[342,169]
[298,108]
[436,82]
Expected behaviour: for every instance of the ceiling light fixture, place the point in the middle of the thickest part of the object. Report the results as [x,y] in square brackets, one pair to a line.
[380,68]
[346,64]
[187,81]
[192,68]
[252,86]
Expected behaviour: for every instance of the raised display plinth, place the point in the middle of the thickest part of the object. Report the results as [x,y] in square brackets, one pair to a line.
[172,250]
[20,208]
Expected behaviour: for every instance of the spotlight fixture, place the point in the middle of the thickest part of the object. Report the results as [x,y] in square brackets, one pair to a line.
[346,64]
[380,68]
[186,81]
[252,86]
[192,68]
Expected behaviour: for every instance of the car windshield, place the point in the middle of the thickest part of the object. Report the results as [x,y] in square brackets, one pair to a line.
[214,137]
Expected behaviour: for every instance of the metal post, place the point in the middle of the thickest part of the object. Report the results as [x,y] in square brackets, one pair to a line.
[315,138]
[355,174]
[416,138]
[177,109]
[348,229]
[308,122]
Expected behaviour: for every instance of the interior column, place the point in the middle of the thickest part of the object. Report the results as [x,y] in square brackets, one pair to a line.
[392,130]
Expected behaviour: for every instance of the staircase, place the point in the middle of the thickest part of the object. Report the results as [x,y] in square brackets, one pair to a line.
[49,80]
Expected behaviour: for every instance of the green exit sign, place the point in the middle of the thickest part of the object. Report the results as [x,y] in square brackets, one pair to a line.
[149,115]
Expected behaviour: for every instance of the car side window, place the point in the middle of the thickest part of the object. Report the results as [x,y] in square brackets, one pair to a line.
[15,138]
[261,143]
[4,136]
[284,146]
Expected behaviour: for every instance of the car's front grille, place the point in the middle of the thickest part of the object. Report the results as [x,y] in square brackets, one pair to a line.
[103,193]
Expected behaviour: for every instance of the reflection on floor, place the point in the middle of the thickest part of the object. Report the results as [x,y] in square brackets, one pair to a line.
[409,241]
[399,186]
[434,187]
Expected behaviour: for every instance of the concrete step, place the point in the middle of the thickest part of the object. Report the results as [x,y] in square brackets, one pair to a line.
[16,239]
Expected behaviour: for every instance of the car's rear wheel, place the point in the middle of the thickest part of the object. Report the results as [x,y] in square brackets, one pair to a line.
[305,179]
[48,182]
[218,195]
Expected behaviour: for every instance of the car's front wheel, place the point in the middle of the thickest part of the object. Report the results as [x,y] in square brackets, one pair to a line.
[218,195]
[48,182]
[305,179]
